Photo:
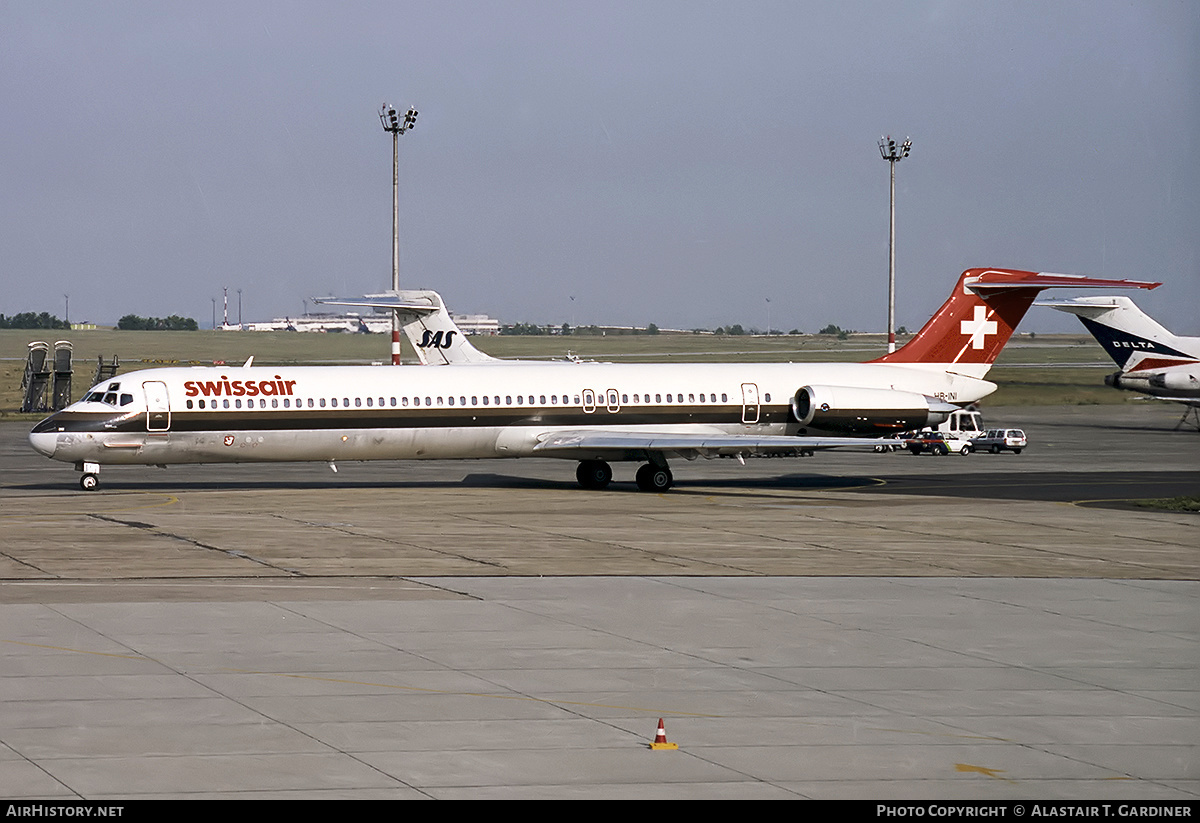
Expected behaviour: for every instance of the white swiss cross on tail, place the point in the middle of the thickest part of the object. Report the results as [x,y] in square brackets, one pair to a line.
[966,334]
[978,327]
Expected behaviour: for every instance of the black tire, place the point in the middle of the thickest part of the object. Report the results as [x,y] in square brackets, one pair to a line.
[593,474]
[994,449]
[1016,451]
[651,478]
[89,482]
[965,450]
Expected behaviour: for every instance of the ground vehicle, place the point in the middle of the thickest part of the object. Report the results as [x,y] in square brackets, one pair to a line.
[997,440]
[938,443]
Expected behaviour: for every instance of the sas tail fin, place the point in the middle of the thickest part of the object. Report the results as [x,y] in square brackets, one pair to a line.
[1133,339]
[435,338]
[970,329]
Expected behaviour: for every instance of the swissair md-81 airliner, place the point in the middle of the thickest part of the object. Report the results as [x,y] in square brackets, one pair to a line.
[471,406]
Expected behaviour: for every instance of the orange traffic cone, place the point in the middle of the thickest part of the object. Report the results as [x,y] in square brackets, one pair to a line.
[660,739]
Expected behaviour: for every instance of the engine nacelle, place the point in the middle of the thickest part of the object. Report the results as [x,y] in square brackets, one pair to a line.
[1175,381]
[867,411]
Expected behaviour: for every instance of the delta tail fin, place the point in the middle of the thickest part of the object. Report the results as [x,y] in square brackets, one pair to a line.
[434,337]
[968,332]
[1133,339]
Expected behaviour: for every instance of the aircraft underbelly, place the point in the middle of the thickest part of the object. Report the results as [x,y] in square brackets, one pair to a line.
[278,446]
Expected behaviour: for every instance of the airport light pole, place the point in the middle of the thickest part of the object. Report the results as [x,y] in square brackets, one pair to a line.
[391,123]
[892,152]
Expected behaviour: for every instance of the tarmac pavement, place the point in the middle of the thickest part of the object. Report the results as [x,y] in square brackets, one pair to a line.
[848,625]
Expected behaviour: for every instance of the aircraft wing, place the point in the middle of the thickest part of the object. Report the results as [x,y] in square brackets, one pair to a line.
[577,444]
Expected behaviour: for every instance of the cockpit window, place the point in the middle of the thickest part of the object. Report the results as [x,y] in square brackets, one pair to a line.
[109,395]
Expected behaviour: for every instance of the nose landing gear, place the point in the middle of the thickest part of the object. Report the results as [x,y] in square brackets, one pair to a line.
[90,481]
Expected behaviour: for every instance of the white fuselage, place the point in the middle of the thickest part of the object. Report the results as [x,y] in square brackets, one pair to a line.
[205,414]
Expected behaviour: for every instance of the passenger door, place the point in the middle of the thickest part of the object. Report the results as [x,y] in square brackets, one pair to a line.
[749,403]
[158,406]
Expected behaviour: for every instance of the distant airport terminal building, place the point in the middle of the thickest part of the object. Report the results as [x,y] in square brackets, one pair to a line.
[353,322]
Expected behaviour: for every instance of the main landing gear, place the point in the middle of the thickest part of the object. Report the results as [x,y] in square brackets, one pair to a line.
[597,474]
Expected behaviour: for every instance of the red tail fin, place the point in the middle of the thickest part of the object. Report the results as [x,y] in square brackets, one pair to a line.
[982,312]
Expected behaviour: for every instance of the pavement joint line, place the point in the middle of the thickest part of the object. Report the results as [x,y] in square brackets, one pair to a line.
[193,542]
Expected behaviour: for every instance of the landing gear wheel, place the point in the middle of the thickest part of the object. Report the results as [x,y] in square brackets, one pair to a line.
[593,474]
[89,482]
[652,478]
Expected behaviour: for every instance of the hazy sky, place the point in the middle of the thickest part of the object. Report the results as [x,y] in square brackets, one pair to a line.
[671,162]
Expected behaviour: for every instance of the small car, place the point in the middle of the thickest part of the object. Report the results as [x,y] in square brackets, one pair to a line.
[998,440]
[938,443]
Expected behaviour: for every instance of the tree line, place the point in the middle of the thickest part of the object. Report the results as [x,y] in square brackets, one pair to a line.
[32,320]
[132,322]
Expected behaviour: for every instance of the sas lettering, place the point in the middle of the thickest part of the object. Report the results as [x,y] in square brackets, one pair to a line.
[436,340]
[239,388]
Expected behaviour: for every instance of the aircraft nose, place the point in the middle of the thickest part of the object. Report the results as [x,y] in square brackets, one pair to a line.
[44,443]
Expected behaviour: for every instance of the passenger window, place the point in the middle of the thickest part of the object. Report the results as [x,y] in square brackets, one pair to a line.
[369,401]
[451,399]
[189,404]
[485,400]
